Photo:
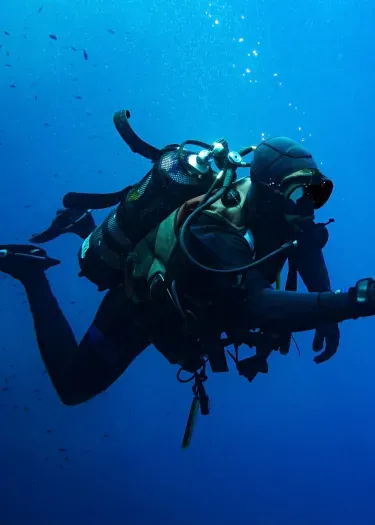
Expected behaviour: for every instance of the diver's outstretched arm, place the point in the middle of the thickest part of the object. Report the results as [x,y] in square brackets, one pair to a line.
[272,310]
[282,312]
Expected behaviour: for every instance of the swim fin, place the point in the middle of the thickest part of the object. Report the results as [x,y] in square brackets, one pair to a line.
[23,260]
[68,220]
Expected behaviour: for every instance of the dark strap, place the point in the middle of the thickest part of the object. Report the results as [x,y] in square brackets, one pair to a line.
[291,280]
[93,201]
[135,143]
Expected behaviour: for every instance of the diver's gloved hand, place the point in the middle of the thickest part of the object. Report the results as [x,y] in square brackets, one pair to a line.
[69,220]
[326,337]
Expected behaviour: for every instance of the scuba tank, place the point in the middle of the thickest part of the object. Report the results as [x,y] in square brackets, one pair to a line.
[177,175]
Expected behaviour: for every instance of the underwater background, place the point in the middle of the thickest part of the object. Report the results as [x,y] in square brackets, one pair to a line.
[297,445]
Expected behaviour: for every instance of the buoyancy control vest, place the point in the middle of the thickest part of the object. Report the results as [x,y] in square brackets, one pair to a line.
[151,257]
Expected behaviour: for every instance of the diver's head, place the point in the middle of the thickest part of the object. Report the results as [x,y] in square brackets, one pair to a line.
[288,177]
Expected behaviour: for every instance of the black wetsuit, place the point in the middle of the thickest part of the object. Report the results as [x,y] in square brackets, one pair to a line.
[119,332]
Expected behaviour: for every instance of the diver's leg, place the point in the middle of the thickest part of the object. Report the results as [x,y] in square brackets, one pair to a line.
[115,338]
[78,372]
[56,341]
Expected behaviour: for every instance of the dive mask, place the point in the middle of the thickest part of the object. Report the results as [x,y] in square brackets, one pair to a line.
[307,184]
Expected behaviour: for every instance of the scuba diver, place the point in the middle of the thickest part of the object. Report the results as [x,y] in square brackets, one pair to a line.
[186,255]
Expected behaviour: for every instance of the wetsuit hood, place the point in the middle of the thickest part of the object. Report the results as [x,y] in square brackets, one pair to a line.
[278,157]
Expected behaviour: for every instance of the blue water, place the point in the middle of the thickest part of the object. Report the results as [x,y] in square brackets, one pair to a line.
[296,446]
